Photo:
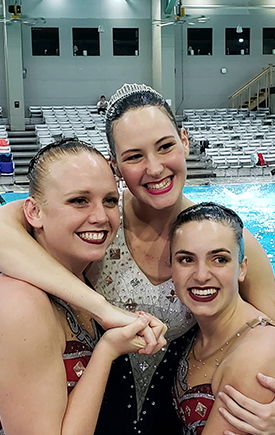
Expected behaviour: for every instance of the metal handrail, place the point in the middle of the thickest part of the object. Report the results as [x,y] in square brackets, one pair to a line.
[267,74]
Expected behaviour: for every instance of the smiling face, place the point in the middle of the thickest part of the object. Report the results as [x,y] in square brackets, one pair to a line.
[150,155]
[78,217]
[205,266]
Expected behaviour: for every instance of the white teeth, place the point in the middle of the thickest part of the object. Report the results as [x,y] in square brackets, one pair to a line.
[206,292]
[92,236]
[159,186]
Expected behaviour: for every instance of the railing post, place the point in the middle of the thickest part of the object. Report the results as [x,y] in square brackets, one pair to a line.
[270,84]
[239,94]
[258,91]
[267,88]
[270,74]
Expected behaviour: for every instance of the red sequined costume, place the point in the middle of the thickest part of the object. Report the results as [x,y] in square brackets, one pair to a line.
[78,351]
[76,358]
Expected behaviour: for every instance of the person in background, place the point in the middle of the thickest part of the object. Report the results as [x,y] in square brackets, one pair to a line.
[54,364]
[102,105]
[234,340]
[149,152]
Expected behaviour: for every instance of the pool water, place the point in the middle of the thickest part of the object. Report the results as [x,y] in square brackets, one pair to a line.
[254,203]
[13,196]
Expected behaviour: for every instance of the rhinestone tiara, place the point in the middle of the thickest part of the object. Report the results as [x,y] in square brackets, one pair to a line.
[129,89]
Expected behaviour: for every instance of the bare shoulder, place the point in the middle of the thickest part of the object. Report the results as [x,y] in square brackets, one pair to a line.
[24,307]
[258,288]
[253,249]
[11,210]
[186,202]
[255,352]
[14,290]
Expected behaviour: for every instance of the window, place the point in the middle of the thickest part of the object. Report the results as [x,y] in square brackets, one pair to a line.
[125,42]
[45,41]
[86,42]
[199,41]
[237,42]
[269,40]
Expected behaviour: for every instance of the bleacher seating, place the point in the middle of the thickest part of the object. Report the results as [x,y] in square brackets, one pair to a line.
[82,122]
[233,137]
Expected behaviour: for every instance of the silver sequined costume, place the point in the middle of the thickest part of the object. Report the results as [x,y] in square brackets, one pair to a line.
[118,278]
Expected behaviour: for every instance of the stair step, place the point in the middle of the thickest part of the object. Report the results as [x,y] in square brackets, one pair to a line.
[22,162]
[206,173]
[35,147]
[21,170]
[22,140]
[23,147]
[20,155]
[17,134]
[22,179]
[192,160]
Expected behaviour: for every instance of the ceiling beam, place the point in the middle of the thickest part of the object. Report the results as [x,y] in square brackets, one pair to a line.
[203,6]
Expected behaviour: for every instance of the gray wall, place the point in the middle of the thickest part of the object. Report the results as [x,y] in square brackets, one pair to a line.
[199,82]
[3,98]
[69,79]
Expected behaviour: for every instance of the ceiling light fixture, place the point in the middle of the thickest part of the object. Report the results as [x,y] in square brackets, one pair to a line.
[202,19]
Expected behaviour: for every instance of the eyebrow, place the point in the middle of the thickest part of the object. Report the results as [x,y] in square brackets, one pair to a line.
[88,192]
[170,136]
[215,251]
[136,150]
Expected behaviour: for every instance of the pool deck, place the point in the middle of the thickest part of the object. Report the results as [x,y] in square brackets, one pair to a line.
[15,187]
[230,180]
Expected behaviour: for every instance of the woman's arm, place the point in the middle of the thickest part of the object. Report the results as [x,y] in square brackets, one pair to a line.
[33,388]
[23,258]
[258,287]
[91,386]
[239,369]
[240,410]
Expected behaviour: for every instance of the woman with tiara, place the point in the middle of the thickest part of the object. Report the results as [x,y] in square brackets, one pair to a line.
[149,152]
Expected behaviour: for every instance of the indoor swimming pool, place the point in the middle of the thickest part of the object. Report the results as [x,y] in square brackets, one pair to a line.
[255,203]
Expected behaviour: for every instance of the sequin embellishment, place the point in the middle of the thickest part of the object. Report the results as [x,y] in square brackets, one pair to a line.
[114,254]
[79,369]
[144,366]
[201,409]
[108,280]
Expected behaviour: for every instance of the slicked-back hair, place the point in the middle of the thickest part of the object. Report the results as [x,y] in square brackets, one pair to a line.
[55,151]
[212,212]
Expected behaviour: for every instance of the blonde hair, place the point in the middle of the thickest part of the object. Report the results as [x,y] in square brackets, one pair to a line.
[39,164]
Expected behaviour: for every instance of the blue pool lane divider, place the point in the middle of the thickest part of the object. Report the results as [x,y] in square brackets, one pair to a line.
[2,201]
